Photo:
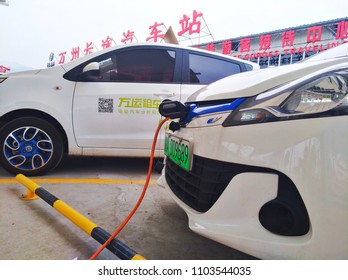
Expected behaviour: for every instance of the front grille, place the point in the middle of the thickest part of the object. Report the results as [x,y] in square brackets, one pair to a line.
[202,187]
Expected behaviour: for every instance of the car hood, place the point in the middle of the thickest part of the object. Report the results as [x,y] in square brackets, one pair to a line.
[336,52]
[254,82]
[22,73]
[51,71]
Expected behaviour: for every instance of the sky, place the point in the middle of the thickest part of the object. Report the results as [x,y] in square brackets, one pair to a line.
[32,29]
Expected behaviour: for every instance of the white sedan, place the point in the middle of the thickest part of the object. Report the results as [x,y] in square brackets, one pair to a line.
[104,104]
[259,160]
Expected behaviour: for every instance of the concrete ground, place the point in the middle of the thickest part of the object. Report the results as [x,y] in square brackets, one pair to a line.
[33,230]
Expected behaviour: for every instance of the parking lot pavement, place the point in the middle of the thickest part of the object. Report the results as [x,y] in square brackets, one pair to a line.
[158,230]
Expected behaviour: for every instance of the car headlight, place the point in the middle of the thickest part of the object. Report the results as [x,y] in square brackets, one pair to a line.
[317,97]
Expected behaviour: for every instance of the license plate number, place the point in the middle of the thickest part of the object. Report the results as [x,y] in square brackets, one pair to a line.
[178,150]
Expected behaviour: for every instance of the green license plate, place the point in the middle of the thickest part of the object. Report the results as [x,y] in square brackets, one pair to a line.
[178,150]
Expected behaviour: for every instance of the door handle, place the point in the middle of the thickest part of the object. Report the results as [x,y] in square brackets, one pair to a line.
[165,94]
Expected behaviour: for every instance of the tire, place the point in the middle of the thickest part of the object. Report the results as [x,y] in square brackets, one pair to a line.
[30,146]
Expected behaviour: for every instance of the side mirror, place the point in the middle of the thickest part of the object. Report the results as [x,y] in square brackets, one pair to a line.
[93,66]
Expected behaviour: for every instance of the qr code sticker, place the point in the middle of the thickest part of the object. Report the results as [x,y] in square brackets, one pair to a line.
[105,105]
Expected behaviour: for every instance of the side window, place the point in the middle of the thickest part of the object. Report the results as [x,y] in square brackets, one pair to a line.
[205,69]
[141,65]
[248,67]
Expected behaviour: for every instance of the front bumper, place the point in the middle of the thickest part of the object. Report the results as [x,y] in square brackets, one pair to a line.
[236,176]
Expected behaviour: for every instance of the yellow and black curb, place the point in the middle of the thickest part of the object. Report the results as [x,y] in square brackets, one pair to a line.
[115,246]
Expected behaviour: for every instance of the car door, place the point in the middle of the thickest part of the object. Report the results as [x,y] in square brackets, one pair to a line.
[117,95]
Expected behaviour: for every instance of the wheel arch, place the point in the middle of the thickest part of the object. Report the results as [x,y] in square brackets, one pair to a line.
[36,113]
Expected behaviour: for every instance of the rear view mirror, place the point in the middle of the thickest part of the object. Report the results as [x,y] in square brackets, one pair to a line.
[93,66]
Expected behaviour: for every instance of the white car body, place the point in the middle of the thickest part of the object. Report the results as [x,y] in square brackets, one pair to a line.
[96,109]
[285,178]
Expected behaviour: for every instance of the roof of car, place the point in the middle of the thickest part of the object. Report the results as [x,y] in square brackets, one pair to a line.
[76,62]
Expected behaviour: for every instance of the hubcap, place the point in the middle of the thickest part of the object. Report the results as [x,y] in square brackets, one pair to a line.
[28,148]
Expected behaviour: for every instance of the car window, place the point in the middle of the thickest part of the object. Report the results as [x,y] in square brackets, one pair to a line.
[131,66]
[141,65]
[205,69]
[249,67]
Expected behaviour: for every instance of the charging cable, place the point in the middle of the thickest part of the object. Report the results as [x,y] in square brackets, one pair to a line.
[130,215]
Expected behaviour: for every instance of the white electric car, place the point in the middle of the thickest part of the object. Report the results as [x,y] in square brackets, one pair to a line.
[104,104]
[259,160]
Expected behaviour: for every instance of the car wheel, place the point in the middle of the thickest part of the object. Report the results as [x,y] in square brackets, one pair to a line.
[30,146]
